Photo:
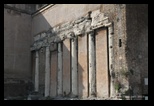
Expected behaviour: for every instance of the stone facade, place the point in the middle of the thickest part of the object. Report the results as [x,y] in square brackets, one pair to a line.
[107,33]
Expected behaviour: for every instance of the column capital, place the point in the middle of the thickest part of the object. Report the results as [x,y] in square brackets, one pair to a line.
[36,50]
[47,45]
[70,35]
[91,32]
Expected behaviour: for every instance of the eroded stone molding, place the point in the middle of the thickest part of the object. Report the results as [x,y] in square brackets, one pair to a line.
[70,29]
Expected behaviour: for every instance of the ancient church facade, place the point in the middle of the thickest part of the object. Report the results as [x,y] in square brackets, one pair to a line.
[76,50]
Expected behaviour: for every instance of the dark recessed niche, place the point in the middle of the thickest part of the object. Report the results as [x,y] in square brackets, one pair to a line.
[120,43]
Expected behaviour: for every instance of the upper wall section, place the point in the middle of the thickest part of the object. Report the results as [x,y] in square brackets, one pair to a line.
[58,14]
[17,40]
[25,8]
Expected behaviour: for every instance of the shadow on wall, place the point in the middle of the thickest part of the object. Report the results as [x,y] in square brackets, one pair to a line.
[137,47]
[17,40]
[82,70]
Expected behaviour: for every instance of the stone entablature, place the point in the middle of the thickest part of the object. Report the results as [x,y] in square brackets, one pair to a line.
[69,30]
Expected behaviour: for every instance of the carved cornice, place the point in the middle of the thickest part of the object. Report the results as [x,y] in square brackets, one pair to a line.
[70,30]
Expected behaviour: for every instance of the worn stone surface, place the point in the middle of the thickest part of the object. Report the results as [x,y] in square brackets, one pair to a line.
[74,70]
[54,71]
[66,67]
[60,70]
[47,71]
[33,68]
[116,13]
[53,47]
[16,87]
[42,71]
[68,30]
[110,60]
[102,79]
[92,64]
[36,82]
[82,66]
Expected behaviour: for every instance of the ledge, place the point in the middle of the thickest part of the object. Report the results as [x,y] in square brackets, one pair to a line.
[43,8]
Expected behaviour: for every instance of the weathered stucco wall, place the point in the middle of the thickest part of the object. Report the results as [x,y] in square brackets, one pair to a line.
[137,46]
[60,13]
[17,56]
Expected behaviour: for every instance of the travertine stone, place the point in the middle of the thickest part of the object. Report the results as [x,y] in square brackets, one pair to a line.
[54,70]
[102,81]
[83,66]
[37,37]
[43,35]
[66,67]
[37,72]
[47,72]
[110,44]
[60,70]
[74,66]
[92,67]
